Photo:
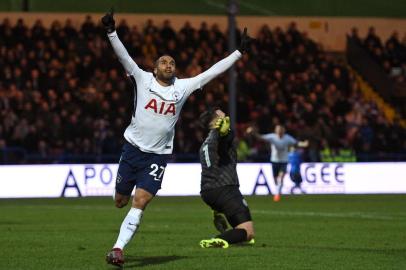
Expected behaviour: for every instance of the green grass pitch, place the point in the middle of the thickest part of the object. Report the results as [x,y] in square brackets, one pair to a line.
[300,232]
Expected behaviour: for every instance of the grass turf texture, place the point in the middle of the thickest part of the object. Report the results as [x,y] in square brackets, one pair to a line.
[300,232]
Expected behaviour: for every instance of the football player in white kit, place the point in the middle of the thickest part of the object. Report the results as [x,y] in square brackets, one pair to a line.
[280,143]
[159,98]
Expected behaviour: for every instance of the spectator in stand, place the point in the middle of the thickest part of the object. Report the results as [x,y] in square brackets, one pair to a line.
[51,73]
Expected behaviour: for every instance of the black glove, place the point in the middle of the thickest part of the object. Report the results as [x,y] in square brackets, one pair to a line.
[108,21]
[245,41]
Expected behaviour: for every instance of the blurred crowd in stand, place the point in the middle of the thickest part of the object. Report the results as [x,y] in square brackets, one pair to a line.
[390,55]
[64,96]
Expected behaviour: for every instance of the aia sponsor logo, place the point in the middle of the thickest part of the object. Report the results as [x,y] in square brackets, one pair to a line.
[161,107]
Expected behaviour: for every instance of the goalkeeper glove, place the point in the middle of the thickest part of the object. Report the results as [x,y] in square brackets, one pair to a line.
[218,123]
[108,21]
[224,126]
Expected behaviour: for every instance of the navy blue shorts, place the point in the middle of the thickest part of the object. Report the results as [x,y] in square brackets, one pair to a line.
[141,169]
[278,167]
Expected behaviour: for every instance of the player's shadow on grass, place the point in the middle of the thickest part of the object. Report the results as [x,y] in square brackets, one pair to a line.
[136,261]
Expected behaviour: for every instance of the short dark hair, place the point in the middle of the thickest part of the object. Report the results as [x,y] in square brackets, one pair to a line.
[207,116]
[156,63]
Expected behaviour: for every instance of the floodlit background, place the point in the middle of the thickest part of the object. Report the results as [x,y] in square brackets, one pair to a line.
[333,72]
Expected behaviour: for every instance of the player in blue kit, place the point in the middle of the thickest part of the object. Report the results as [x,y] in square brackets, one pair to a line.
[294,160]
[159,97]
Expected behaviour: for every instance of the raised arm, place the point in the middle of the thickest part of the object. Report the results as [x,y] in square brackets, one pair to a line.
[294,142]
[125,59]
[203,78]
[303,144]
[262,137]
[200,80]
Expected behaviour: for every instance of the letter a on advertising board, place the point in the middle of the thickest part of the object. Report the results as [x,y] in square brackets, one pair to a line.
[258,184]
[73,185]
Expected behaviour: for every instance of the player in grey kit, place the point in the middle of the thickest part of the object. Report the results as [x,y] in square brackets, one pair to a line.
[280,143]
[219,181]
[159,98]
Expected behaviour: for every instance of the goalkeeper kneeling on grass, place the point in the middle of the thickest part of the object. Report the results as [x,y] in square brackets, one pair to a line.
[219,183]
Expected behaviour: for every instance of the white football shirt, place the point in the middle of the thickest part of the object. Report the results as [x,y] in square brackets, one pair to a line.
[279,146]
[157,107]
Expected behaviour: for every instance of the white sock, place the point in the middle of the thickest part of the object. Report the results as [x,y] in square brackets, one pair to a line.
[128,227]
[277,189]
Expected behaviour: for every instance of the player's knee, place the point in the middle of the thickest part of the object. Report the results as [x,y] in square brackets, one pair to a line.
[120,203]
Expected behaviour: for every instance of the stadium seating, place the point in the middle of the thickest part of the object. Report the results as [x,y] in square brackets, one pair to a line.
[64,97]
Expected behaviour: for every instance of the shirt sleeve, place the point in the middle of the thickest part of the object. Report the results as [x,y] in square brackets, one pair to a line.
[225,143]
[228,139]
[125,59]
[200,80]
[268,137]
[292,140]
